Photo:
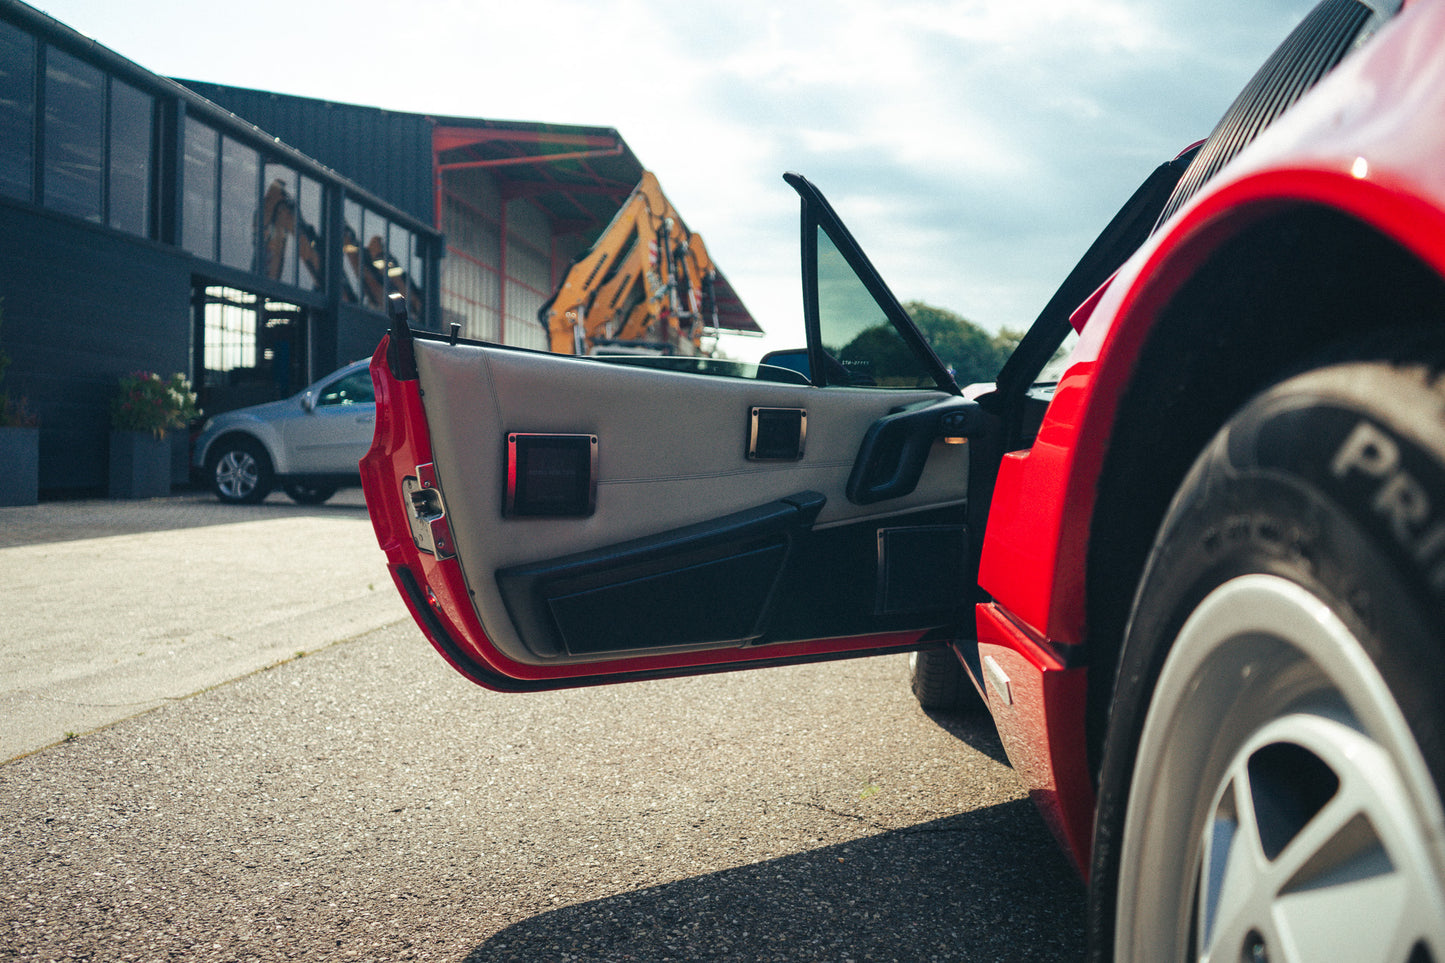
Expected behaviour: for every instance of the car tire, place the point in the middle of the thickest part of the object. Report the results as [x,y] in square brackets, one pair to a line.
[305,494]
[240,471]
[1270,785]
[939,682]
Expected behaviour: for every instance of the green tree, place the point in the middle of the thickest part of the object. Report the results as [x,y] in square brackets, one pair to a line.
[967,349]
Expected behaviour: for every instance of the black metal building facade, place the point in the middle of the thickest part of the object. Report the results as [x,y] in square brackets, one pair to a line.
[248,239]
[143,227]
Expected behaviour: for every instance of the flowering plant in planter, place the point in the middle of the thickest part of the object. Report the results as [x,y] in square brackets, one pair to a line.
[148,402]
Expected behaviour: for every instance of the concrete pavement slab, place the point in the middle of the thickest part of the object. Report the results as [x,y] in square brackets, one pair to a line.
[188,593]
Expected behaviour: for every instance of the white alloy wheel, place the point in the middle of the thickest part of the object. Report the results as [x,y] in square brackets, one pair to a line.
[237,474]
[1281,809]
[240,472]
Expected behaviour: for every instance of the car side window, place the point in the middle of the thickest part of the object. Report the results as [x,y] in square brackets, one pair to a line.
[354,389]
[856,332]
[859,335]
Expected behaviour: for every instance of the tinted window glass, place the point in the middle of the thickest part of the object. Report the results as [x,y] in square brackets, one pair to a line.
[279,223]
[131,125]
[351,254]
[417,295]
[356,388]
[74,135]
[17,112]
[240,173]
[857,334]
[199,214]
[373,258]
[310,242]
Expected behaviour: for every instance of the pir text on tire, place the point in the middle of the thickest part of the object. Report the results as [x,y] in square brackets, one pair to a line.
[1272,773]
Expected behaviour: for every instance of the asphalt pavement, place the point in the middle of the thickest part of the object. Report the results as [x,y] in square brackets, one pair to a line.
[226,741]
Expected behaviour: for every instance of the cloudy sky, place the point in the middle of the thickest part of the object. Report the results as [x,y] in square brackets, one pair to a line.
[974,146]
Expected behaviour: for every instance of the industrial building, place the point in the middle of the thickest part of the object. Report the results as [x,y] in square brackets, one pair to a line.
[248,239]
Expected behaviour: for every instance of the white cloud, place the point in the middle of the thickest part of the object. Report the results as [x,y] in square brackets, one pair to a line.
[975,145]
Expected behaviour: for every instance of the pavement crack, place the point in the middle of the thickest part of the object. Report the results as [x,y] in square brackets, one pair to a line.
[856,817]
[103,705]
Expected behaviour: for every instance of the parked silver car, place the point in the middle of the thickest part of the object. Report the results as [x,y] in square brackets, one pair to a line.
[308,443]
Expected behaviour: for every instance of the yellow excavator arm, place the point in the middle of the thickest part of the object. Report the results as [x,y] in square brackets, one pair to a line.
[646,284]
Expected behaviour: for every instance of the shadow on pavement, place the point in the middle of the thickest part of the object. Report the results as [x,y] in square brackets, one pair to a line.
[67,520]
[973,726]
[984,885]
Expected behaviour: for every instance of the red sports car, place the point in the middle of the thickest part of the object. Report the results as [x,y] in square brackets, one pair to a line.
[1198,578]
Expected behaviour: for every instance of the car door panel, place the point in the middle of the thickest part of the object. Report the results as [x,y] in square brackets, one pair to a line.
[325,441]
[589,603]
[672,466]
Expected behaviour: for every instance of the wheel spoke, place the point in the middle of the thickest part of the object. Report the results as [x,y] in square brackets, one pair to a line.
[1309,877]
[1229,897]
[237,474]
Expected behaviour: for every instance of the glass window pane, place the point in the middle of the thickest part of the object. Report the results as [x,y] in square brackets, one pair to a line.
[198,217]
[351,252]
[354,389]
[74,135]
[311,244]
[230,335]
[279,214]
[856,332]
[240,169]
[417,277]
[398,258]
[131,125]
[17,112]
[373,266]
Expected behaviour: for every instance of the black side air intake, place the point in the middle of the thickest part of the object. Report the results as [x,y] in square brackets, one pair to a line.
[1316,46]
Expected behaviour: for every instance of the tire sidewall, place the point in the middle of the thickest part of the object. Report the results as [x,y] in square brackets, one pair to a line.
[1325,480]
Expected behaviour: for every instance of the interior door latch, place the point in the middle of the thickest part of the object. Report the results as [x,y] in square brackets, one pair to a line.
[426,512]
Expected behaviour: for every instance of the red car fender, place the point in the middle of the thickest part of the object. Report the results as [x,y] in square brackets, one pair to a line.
[1034,699]
[1366,142]
[1358,145]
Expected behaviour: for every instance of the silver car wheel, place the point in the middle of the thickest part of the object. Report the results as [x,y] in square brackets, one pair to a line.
[1281,809]
[237,474]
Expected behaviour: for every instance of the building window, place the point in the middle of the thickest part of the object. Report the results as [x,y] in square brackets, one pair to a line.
[198,216]
[17,112]
[310,237]
[230,333]
[74,135]
[373,259]
[279,217]
[240,204]
[132,126]
[417,277]
[351,252]
[379,257]
[255,348]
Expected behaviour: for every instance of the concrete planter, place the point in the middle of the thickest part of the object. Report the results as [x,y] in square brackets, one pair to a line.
[140,465]
[19,466]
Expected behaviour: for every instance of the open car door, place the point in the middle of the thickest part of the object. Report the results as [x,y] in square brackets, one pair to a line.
[558,521]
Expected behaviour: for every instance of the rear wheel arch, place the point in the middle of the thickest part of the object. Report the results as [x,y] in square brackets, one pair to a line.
[1293,293]
[1302,491]
[1289,292]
